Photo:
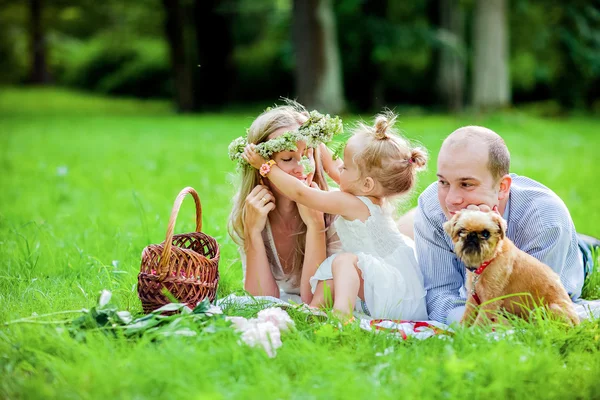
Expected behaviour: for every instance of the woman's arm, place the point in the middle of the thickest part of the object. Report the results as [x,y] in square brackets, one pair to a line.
[315,250]
[259,279]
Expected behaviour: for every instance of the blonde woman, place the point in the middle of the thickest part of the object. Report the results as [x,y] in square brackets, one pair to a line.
[282,243]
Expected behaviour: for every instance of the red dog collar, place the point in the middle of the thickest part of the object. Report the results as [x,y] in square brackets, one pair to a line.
[478,272]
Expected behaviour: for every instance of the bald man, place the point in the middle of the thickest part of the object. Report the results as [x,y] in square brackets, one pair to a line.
[473,172]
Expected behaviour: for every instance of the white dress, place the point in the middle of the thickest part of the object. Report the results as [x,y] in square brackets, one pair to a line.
[393,284]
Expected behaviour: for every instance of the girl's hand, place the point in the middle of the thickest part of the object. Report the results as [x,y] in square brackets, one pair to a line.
[259,203]
[252,157]
[311,218]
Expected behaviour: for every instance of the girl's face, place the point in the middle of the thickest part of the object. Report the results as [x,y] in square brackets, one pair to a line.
[289,161]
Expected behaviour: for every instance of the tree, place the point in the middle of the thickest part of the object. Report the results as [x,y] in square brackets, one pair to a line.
[318,68]
[182,77]
[214,44]
[491,82]
[37,43]
[452,64]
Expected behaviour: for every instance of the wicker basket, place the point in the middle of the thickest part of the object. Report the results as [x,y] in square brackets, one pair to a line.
[186,265]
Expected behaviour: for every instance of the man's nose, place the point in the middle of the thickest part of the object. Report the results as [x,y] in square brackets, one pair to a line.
[453,198]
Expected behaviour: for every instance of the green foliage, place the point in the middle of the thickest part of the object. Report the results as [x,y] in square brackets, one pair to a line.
[88,182]
[105,65]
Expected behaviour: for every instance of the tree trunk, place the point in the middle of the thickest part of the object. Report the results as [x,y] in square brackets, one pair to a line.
[214,43]
[181,71]
[39,71]
[452,65]
[491,81]
[318,68]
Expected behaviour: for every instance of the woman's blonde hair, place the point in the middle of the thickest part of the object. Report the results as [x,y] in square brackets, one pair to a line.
[271,120]
[387,157]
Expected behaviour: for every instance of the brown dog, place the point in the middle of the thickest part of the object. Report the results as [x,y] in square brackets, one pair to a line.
[497,268]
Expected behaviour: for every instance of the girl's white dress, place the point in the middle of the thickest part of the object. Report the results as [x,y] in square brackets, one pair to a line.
[393,283]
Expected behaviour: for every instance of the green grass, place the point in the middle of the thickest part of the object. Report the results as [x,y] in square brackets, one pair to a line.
[86,183]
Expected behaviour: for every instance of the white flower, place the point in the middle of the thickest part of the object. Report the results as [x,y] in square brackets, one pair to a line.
[265,334]
[277,317]
[104,298]
[213,310]
[240,323]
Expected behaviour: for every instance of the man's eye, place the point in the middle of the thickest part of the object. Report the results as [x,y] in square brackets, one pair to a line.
[467,185]
[443,183]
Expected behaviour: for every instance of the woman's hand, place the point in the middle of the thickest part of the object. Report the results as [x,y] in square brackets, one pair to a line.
[312,218]
[252,157]
[259,203]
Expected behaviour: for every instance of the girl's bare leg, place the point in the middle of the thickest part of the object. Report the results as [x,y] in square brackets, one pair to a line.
[348,283]
[320,299]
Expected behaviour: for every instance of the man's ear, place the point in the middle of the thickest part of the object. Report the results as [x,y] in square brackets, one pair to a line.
[497,218]
[505,183]
[368,185]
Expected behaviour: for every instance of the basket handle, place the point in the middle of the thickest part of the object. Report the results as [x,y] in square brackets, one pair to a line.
[164,259]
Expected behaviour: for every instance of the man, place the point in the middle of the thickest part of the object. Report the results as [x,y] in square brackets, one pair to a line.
[473,173]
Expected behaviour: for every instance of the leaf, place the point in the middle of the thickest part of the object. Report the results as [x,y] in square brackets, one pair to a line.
[180,332]
[125,317]
[169,307]
[202,307]
[141,326]
[104,298]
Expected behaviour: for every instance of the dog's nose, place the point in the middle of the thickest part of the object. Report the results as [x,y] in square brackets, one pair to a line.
[472,237]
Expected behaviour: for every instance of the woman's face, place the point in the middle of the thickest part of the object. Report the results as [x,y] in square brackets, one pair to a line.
[289,161]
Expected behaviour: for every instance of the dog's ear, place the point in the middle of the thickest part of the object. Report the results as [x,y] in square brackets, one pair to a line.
[450,224]
[497,218]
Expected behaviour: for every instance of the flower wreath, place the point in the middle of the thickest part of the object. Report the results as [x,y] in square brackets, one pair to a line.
[317,129]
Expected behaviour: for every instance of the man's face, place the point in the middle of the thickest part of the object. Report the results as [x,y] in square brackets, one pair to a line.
[464,177]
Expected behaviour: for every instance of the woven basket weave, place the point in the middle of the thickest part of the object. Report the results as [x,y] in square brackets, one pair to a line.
[187,265]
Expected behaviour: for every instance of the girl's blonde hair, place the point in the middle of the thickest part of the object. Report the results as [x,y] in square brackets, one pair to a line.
[271,120]
[387,157]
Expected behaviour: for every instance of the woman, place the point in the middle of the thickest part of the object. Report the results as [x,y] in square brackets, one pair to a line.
[281,243]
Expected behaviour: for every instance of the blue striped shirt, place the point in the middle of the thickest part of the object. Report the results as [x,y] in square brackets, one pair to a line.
[538,223]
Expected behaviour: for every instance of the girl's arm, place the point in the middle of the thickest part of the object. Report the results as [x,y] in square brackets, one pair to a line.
[331,166]
[337,203]
[334,202]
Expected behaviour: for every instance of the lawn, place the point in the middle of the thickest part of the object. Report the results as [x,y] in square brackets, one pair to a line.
[87,182]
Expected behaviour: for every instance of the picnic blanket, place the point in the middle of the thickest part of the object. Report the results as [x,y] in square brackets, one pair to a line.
[401,328]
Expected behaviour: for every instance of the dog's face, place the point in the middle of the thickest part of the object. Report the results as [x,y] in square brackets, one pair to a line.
[475,235]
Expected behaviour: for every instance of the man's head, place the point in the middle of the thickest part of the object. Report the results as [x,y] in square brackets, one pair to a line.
[473,167]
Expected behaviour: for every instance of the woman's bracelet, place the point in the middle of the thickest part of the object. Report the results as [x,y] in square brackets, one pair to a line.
[266,167]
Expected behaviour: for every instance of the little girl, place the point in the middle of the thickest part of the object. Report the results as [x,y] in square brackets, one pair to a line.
[375,265]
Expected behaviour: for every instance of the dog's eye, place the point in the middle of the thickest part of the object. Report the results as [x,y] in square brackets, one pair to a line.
[485,234]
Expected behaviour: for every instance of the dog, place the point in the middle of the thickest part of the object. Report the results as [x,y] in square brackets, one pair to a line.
[497,269]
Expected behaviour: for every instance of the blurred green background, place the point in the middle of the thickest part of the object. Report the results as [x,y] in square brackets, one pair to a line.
[336,55]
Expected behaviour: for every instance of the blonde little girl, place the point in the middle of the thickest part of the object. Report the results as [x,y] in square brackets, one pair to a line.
[376,264]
